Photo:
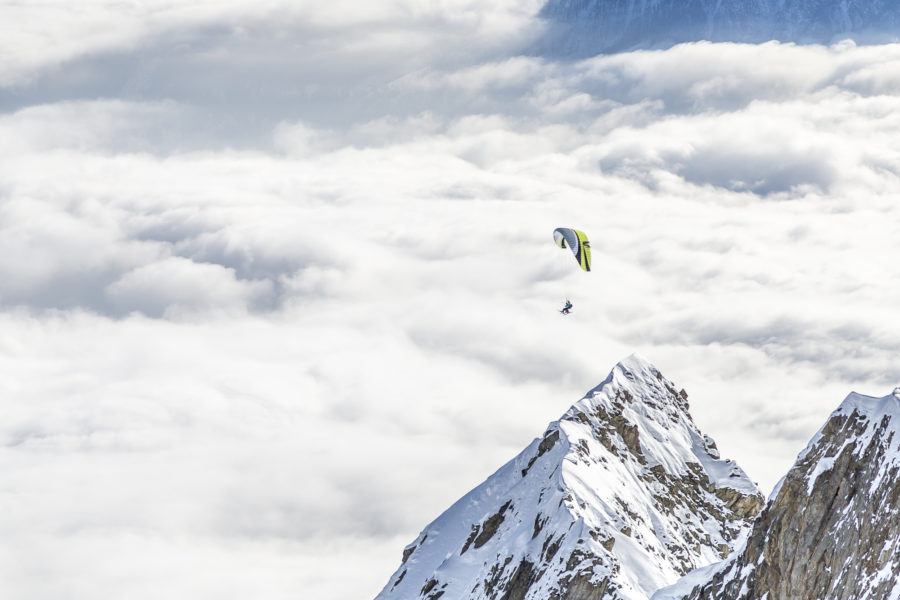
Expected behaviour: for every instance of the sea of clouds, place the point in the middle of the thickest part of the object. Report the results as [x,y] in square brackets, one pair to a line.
[279,285]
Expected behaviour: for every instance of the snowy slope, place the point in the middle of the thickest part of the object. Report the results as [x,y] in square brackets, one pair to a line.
[831,528]
[619,497]
[584,27]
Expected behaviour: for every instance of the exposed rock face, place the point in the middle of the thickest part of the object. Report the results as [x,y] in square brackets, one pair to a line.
[587,27]
[619,497]
[832,528]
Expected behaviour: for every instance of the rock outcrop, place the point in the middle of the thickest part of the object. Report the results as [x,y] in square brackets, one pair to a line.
[832,527]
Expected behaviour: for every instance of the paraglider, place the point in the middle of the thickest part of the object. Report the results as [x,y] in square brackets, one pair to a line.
[578,243]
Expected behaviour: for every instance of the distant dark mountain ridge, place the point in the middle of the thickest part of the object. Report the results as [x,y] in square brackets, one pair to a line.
[587,27]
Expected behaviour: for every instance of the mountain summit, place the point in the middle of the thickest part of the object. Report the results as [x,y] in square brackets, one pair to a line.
[619,497]
[587,27]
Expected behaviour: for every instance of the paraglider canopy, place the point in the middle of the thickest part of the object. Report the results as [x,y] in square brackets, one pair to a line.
[577,241]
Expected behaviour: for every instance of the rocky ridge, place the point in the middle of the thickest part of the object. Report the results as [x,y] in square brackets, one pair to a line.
[831,529]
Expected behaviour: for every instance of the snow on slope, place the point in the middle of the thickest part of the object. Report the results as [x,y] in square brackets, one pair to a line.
[831,528]
[621,496]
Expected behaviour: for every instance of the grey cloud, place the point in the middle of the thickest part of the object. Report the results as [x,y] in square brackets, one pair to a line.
[753,170]
[854,350]
[247,67]
[174,284]
[795,429]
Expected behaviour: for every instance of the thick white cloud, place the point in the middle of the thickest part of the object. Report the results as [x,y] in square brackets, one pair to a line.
[178,285]
[249,349]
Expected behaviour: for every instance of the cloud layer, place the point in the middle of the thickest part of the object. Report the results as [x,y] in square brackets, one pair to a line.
[258,331]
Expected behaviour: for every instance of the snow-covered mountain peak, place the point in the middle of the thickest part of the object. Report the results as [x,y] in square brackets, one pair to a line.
[619,497]
[870,416]
[870,405]
[643,381]
[661,430]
